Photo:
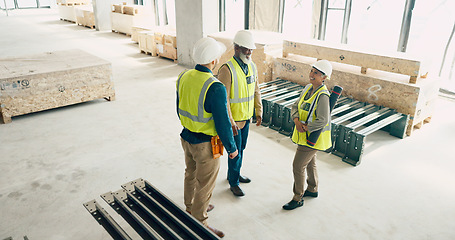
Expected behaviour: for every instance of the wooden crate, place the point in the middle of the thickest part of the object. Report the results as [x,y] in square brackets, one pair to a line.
[166,51]
[50,80]
[269,45]
[150,44]
[85,15]
[130,16]
[159,37]
[67,13]
[136,29]
[135,9]
[123,23]
[170,39]
[146,43]
[117,8]
[393,62]
[377,87]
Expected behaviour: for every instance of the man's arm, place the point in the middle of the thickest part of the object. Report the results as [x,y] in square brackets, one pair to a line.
[224,75]
[216,103]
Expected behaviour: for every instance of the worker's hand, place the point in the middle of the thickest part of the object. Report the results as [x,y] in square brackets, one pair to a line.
[258,120]
[234,154]
[235,129]
[300,126]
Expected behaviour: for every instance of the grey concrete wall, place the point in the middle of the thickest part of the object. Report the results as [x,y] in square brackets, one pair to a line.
[102,12]
[194,20]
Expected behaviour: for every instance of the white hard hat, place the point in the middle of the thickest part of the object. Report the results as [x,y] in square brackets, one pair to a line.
[244,38]
[207,49]
[324,66]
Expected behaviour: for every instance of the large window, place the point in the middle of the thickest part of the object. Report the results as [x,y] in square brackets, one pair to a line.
[297,18]
[376,24]
[235,15]
[431,26]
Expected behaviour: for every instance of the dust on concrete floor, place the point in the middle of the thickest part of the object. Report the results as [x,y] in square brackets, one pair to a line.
[54,161]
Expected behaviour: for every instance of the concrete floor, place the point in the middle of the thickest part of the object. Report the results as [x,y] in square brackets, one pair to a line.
[54,161]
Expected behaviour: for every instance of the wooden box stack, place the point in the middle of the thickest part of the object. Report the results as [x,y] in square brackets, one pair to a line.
[50,80]
[85,16]
[269,45]
[146,42]
[139,28]
[67,9]
[166,43]
[124,17]
[391,81]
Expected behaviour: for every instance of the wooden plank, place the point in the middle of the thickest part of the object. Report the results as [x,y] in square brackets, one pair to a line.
[376,87]
[50,80]
[393,62]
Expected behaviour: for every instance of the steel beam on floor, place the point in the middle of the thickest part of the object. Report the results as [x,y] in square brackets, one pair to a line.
[180,221]
[105,220]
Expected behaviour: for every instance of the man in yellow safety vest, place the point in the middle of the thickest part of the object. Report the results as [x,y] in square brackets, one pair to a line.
[203,113]
[240,76]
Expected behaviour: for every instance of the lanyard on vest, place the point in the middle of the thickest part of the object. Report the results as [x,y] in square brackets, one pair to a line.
[310,112]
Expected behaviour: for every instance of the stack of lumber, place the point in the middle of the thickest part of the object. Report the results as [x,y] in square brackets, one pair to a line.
[67,9]
[124,17]
[389,80]
[50,80]
[269,45]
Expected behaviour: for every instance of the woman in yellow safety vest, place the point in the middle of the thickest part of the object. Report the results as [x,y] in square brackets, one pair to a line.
[310,113]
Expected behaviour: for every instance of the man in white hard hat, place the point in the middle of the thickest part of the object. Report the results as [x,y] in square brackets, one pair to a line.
[311,112]
[203,113]
[239,75]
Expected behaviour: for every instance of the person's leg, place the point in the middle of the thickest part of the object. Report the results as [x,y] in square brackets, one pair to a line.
[312,179]
[245,130]
[189,182]
[206,174]
[234,164]
[302,157]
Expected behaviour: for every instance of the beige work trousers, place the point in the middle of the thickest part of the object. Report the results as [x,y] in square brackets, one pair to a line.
[200,177]
[304,159]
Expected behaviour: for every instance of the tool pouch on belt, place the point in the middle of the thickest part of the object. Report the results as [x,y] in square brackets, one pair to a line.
[217,147]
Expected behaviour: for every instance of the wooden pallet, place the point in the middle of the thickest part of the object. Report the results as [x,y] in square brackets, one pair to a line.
[393,62]
[67,20]
[376,87]
[122,33]
[58,79]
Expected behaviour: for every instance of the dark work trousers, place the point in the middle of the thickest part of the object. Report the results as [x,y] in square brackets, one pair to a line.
[235,164]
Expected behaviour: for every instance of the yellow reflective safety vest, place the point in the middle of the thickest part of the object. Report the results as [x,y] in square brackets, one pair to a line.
[307,113]
[242,90]
[192,86]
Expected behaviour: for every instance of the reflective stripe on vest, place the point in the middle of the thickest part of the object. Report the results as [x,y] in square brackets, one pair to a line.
[192,116]
[200,111]
[241,97]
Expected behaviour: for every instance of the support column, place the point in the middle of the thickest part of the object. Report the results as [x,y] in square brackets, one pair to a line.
[194,20]
[102,12]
